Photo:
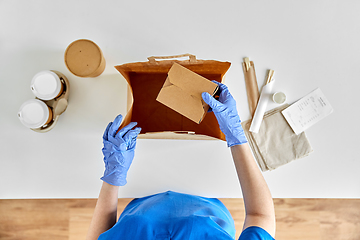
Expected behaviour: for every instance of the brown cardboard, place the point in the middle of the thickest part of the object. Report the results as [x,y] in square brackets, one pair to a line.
[156,120]
[182,92]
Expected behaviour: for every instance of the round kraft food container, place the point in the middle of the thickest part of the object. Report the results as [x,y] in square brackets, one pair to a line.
[46,85]
[84,58]
[35,113]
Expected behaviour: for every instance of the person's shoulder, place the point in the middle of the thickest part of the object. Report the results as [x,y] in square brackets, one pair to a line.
[255,233]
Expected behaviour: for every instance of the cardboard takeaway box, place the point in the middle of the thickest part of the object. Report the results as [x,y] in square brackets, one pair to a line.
[182,92]
[158,121]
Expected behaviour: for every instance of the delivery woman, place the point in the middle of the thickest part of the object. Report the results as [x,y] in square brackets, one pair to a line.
[172,215]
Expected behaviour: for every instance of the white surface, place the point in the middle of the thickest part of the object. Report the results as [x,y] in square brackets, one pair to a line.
[309,44]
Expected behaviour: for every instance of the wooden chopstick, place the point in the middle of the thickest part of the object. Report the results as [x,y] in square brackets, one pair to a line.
[270,76]
[247,63]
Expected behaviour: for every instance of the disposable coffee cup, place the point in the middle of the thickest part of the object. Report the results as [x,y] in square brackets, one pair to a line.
[34,114]
[46,85]
[84,58]
[279,97]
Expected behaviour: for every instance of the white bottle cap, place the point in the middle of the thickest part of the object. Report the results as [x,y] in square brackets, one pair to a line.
[34,113]
[46,85]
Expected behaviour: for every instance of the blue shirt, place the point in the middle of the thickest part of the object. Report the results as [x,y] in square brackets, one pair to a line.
[176,216]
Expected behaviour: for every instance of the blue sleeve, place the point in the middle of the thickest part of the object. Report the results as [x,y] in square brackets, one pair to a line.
[255,233]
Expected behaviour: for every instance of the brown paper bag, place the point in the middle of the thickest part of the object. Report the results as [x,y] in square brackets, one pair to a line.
[158,121]
[252,88]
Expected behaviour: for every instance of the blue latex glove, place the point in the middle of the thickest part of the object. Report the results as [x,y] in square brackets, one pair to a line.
[227,116]
[118,151]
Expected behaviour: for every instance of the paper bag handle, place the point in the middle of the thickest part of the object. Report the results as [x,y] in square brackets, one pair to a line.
[192,58]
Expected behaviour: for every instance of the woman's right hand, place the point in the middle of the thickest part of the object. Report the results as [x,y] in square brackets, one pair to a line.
[226,114]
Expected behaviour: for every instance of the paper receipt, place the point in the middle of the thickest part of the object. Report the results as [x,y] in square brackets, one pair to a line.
[307,111]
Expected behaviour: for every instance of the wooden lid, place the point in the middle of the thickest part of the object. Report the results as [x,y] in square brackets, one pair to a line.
[84,58]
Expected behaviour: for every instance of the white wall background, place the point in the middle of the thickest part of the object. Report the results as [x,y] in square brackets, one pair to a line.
[309,44]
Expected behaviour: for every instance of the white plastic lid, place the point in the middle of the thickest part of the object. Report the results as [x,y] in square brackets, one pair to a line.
[46,85]
[33,113]
[279,97]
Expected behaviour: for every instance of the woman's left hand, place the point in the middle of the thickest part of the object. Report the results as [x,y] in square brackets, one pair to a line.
[118,150]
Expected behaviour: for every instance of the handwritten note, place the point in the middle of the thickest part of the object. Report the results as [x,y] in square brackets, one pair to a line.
[307,111]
